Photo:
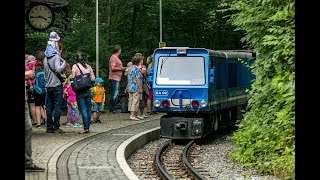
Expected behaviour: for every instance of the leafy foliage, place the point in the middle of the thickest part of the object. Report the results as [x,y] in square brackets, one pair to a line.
[266,136]
[134,24]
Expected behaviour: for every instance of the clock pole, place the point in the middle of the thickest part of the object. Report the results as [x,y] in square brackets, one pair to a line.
[97,40]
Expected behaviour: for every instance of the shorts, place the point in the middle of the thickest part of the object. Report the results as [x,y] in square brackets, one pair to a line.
[133,104]
[143,100]
[97,107]
[150,94]
[39,99]
[30,94]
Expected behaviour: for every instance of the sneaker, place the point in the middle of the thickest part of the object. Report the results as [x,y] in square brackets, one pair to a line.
[59,130]
[150,113]
[145,116]
[38,126]
[134,118]
[50,131]
[69,125]
[140,117]
[34,168]
[77,125]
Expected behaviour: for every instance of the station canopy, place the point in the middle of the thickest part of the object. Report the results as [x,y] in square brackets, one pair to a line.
[52,3]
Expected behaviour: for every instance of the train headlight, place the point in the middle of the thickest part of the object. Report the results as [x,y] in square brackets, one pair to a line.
[203,103]
[195,103]
[181,51]
[156,103]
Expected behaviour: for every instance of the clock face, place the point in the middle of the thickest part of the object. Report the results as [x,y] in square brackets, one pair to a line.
[40,17]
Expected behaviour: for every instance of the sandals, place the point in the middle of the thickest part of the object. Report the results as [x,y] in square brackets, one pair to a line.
[84,131]
[134,118]
[97,120]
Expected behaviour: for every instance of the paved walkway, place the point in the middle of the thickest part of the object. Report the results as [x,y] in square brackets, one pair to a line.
[47,147]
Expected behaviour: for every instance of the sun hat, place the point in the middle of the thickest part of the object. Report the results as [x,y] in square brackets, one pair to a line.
[54,36]
[99,80]
[51,49]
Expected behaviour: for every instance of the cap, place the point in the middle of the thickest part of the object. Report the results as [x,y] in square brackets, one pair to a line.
[54,36]
[99,80]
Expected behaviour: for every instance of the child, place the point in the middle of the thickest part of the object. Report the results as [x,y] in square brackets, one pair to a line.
[127,69]
[98,99]
[145,93]
[73,110]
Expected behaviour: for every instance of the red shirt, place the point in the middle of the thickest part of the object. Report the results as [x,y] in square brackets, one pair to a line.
[115,61]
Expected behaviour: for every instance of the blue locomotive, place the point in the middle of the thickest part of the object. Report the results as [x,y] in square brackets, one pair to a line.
[200,90]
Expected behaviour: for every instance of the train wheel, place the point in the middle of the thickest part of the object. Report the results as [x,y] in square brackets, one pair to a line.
[230,117]
[217,121]
[225,118]
[217,118]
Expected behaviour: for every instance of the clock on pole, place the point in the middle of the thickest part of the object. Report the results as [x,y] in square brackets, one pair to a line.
[39,16]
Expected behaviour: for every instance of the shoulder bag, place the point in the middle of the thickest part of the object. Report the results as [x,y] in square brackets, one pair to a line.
[81,81]
[60,77]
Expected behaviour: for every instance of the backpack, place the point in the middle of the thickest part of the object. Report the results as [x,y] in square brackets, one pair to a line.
[40,83]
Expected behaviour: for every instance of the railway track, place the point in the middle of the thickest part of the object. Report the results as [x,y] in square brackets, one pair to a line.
[173,162]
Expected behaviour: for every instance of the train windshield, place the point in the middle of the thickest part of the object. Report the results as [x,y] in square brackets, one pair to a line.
[180,71]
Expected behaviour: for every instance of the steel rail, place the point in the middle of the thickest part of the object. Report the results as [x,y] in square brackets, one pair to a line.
[163,173]
[186,161]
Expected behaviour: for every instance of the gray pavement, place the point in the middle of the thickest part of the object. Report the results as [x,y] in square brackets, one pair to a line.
[101,162]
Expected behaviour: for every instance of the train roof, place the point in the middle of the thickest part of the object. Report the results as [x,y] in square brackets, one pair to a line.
[248,54]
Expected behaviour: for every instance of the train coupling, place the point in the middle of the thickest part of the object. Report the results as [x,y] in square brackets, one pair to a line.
[182,125]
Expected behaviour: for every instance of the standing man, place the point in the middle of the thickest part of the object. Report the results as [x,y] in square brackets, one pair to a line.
[29,166]
[115,74]
[53,66]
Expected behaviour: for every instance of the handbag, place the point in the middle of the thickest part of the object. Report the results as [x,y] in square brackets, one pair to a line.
[81,81]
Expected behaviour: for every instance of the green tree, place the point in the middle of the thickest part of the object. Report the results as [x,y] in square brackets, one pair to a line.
[134,24]
[266,136]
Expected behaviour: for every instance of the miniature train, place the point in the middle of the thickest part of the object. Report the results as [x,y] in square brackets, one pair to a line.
[199,89]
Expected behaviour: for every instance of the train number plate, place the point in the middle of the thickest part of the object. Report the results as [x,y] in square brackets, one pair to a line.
[161,93]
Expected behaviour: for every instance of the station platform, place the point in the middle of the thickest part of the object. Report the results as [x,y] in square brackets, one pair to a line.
[48,147]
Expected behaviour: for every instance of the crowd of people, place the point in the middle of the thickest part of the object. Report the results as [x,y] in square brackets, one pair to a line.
[48,82]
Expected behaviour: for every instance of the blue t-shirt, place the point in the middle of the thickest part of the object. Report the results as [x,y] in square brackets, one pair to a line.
[133,74]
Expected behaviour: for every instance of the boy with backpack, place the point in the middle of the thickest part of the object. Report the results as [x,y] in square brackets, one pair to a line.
[98,99]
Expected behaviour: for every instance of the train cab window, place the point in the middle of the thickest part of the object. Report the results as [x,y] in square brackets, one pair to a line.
[180,71]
